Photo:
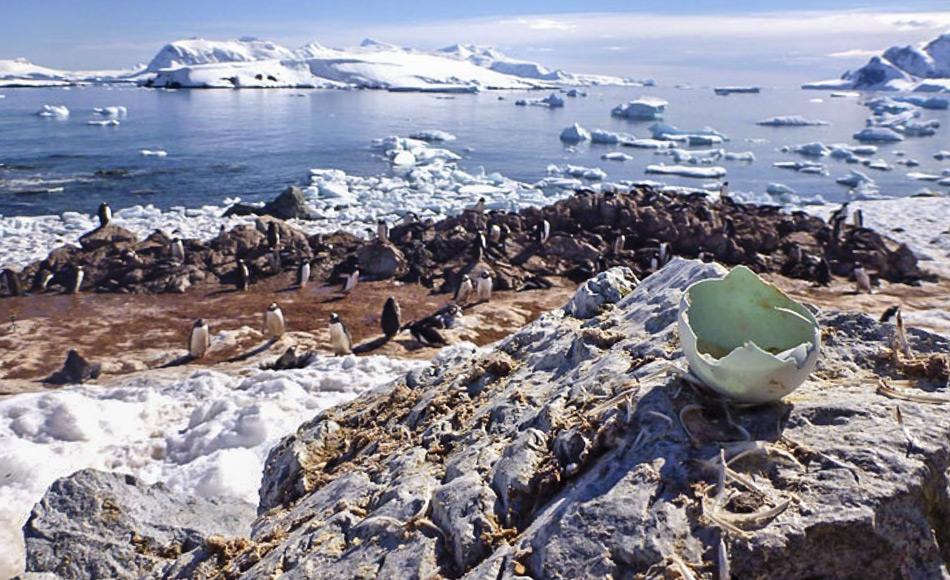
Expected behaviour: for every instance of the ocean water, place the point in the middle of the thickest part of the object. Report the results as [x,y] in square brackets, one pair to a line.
[251,144]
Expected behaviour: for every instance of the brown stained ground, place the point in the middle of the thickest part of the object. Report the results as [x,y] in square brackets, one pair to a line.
[132,333]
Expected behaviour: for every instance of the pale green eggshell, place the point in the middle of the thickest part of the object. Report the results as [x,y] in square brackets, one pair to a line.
[746,339]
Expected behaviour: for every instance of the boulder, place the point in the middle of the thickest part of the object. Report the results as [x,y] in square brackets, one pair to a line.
[288,205]
[107,235]
[94,524]
[380,261]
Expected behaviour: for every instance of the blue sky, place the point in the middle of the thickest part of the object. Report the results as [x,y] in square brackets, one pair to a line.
[672,40]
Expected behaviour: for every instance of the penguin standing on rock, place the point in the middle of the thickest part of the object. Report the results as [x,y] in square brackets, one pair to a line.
[199,340]
[273,326]
[618,244]
[273,235]
[339,336]
[243,276]
[177,250]
[543,232]
[390,320]
[484,286]
[382,231]
[105,214]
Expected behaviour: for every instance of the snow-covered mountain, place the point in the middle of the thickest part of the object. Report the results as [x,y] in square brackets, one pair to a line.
[254,63]
[900,68]
[23,73]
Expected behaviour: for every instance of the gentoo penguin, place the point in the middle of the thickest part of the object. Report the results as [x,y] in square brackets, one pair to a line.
[339,336]
[823,272]
[618,244]
[200,339]
[273,235]
[391,317]
[858,217]
[9,282]
[350,282]
[303,274]
[273,327]
[177,250]
[724,189]
[75,285]
[494,233]
[426,332]
[105,214]
[535,283]
[480,206]
[664,255]
[543,232]
[41,280]
[839,215]
[862,280]
[483,288]
[382,231]
[464,290]
[243,276]
[890,312]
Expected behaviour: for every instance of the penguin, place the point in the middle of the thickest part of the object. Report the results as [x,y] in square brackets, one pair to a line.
[105,214]
[382,231]
[77,369]
[543,231]
[273,326]
[839,215]
[41,280]
[464,290]
[664,255]
[483,288]
[288,360]
[823,272]
[494,233]
[243,276]
[351,280]
[618,244]
[890,312]
[177,250]
[426,332]
[303,274]
[199,340]
[407,218]
[75,285]
[536,283]
[862,280]
[10,282]
[339,336]
[724,189]
[273,235]
[390,320]
[448,315]
[858,217]
[480,206]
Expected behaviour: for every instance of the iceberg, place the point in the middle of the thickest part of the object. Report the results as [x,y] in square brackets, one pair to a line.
[791,121]
[671,133]
[432,136]
[723,91]
[57,111]
[551,101]
[855,179]
[118,111]
[575,134]
[878,134]
[642,109]
[616,156]
[688,171]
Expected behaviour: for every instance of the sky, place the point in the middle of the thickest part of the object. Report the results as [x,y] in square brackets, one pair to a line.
[675,40]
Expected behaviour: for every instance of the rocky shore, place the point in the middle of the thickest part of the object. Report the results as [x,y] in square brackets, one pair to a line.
[568,450]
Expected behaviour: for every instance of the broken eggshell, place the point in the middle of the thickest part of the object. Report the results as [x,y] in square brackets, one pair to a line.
[746,339]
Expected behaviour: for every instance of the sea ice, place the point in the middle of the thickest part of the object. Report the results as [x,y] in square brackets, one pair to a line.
[153,153]
[58,111]
[855,179]
[723,91]
[791,121]
[117,111]
[687,171]
[880,134]
[616,156]
[575,134]
[432,136]
[642,109]
[105,123]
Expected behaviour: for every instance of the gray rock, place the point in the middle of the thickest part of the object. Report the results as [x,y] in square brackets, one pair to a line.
[289,204]
[381,261]
[106,525]
[605,288]
[578,457]
[108,235]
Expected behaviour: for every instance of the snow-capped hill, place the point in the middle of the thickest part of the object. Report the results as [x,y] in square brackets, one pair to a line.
[374,44]
[900,68]
[199,51]
[316,50]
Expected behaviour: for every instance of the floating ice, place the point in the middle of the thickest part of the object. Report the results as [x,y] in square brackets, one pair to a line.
[552,101]
[432,136]
[744,156]
[609,137]
[118,111]
[941,155]
[687,171]
[575,134]
[815,149]
[616,156]
[723,91]
[855,179]
[642,109]
[57,111]
[779,189]
[579,171]
[104,123]
[153,153]
[803,166]
[791,121]
[881,134]
[919,176]
[671,133]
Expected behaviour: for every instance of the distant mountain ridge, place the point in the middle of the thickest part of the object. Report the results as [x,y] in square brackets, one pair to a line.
[255,63]
[900,68]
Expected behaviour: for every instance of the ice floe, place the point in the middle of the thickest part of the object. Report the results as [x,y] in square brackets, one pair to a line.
[791,121]
[57,111]
[642,109]
[723,91]
[575,134]
[687,171]
[552,101]
[878,134]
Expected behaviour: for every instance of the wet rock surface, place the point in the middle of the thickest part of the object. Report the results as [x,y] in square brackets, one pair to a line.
[589,232]
[94,524]
[566,451]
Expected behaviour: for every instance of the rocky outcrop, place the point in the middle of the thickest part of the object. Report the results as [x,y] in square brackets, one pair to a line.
[106,525]
[107,235]
[567,451]
[290,204]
